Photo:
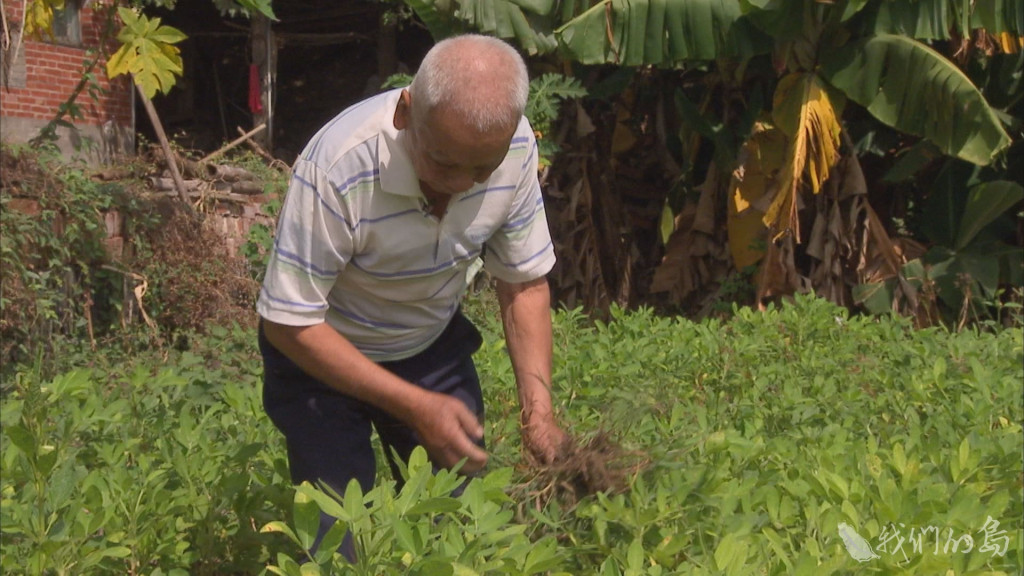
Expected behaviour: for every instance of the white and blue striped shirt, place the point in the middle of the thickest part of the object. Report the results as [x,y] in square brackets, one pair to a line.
[356,248]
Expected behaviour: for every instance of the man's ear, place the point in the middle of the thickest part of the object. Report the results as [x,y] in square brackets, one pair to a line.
[403,112]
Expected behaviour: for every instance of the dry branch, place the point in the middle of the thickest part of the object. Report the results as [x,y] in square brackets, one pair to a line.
[234,143]
[163,184]
[245,187]
[228,173]
[273,162]
[208,194]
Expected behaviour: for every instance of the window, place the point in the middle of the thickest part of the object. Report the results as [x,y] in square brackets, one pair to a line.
[67,24]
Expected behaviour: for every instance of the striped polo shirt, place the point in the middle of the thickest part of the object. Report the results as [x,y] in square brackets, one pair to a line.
[357,248]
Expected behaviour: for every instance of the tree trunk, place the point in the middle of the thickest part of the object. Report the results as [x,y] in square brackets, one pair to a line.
[172,165]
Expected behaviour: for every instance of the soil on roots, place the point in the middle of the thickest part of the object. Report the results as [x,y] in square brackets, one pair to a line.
[598,464]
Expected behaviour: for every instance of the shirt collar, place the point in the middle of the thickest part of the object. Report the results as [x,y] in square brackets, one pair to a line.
[397,175]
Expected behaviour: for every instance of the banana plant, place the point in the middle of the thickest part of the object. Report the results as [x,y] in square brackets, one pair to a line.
[828,57]
[827,54]
[659,32]
[901,81]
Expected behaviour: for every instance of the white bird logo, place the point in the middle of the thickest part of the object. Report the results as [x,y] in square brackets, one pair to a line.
[856,545]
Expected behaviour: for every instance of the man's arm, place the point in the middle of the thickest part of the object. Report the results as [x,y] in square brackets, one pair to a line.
[444,424]
[526,316]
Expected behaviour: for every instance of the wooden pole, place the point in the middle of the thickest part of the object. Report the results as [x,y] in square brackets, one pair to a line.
[263,48]
[172,165]
[387,50]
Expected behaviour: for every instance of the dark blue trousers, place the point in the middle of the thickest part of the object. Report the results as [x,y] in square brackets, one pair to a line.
[328,433]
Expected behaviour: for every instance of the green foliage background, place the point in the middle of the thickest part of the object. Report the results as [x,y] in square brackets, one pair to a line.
[763,433]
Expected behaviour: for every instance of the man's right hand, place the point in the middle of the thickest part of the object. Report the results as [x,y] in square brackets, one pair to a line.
[449,432]
[446,427]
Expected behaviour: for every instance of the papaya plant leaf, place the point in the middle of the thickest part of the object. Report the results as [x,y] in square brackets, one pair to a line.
[651,32]
[912,88]
[161,35]
[985,203]
[147,53]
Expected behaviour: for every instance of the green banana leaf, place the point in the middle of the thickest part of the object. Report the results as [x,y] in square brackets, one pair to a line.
[998,16]
[923,19]
[528,21]
[985,203]
[436,16]
[782,20]
[658,32]
[938,19]
[912,88]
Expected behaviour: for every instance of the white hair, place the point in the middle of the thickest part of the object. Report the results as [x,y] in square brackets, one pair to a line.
[480,78]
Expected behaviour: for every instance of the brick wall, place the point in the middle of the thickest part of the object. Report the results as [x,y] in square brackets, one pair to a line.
[232,220]
[45,73]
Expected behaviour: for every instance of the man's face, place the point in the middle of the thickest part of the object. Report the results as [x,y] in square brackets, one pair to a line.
[449,157]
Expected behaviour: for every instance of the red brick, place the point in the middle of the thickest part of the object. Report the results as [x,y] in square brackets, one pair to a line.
[25,206]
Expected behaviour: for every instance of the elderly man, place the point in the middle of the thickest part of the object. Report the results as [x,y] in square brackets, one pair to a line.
[391,207]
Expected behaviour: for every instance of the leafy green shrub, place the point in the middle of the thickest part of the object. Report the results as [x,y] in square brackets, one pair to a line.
[60,284]
[141,470]
[54,281]
[766,432]
[423,529]
[764,435]
[260,241]
[769,440]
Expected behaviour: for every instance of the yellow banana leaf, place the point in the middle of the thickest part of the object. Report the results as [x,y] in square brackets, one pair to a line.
[760,159]
[803,111]
[1010,43]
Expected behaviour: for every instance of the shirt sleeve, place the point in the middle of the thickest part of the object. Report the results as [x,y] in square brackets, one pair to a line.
[313,244]
[521,250]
